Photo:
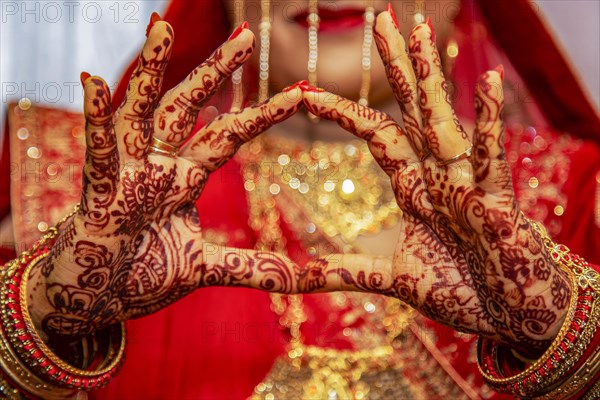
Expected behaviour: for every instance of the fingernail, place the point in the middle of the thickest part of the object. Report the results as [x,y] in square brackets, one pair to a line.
[428,22]
[155,17]
[83,77]
[313,89]
[500,69]
[295,85]
[238,30]
[393,15]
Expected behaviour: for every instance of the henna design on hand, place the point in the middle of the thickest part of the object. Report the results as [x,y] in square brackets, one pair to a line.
[467,256]
[136,244]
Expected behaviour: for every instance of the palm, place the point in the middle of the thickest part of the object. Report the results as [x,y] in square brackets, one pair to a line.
[135,244]
[467,257]
[441,242]
[150,285]
[492,267]
[421,253]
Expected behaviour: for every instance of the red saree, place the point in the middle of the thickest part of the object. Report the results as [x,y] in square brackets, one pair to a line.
[221,342]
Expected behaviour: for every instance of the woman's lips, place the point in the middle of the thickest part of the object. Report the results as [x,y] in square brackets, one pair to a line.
[334,20]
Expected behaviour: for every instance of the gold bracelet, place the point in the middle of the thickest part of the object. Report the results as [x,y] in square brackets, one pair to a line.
[112,360]
[499,382]
[593,393]
[7,390]
[20,375]
[24,356]
[577,380]
[547,377]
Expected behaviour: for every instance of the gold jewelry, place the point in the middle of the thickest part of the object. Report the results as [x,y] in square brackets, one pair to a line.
[265,45]
[551,376]
[112,359]
[565,389]
[313,41]
[8,391]
[164,148]
[314,370]
[339,185]
[593,393]
[21,375]
[313,46]
[465,154]
[369,18]
[424,153]
[236,78]
[313,49]
[496,382]
[24,357]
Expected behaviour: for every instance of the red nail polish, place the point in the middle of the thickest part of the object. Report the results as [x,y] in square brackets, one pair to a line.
[295,85]
[238,30]
[313,89]
[428,22]
[155,17]
[390,10]
[500,69]
[83,77]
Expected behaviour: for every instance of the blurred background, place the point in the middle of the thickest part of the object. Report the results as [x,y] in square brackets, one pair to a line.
[44,45]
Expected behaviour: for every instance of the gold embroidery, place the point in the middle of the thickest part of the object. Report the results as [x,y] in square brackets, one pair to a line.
[541,161]
[340,187]
[388,350]
[47,148]
[597,207]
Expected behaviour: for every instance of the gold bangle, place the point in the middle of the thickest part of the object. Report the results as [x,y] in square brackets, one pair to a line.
[547,377]
[593,393]
[20,374]
[7,390]
[575,382]
[547,354]
[105,367]
[23,354]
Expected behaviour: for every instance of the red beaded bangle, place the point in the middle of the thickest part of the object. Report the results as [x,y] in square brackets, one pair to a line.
[24,357]
[570,366]
[24,339]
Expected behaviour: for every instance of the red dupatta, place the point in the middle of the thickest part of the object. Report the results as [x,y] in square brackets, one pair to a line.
[513,26]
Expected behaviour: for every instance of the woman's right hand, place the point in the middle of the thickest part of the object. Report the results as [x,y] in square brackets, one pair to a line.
[135,245]
[467,256]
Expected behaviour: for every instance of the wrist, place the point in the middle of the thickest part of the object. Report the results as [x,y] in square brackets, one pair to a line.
[47,271]
[541,294]
[556,287]
[570,366]
[28,362]
[38,303]
[70,293]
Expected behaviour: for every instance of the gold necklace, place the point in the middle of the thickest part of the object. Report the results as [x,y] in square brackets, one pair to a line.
[275,181]
[339,185]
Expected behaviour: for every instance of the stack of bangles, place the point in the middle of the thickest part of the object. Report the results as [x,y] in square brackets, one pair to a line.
[29,368]
[570,368]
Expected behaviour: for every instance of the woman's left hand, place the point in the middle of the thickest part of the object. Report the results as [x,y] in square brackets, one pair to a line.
[467,255]
[136,244]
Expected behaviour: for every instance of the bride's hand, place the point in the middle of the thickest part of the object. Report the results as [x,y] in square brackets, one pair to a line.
[135,245]
[467,256]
